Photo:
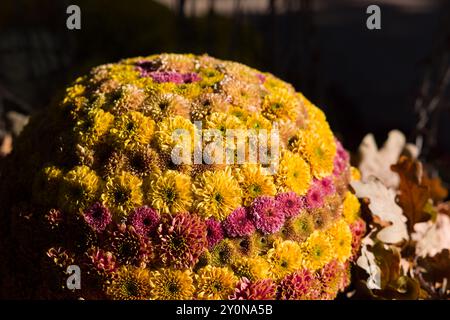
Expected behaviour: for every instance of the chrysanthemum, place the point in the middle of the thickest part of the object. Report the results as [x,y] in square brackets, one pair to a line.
[258,122]
[93,126]
[290,203]
[327,186]
[215,283]
[54,218]
[161,105]
[358,229]
[207,103]
[132,129]
[254,182]
[128,247]
[330,277]
[315,197]
[351,207]
[294,173]
[300,285]
[238,223]
[126,97]
[103,262]
[299,228]
[223,122]
[165,134]
[217,194]
[122,194]
[170,192]
[340,237]
[251,268]
[182,238]
[214,232]
[78,189]
[262,242]
[223,254]
[316,251]
[264,289]
[143,161]
[97,216]
[285,257]
[169,284]
[322,218]
[145,220]
[267,215]
[130,283]
[341,158]
[280,104]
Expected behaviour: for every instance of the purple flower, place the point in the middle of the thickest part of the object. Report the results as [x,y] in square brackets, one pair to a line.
[97,216]
[214,232]
[290,203]
[144,220]
[267,215]
[238,224]
[169,76]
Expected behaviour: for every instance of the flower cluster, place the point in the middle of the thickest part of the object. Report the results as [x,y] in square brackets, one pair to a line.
[111,198]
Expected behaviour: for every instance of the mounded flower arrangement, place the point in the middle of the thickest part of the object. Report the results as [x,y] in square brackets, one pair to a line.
[91,182]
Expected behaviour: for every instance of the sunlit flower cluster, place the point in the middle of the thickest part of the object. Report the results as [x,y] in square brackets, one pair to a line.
[115,203]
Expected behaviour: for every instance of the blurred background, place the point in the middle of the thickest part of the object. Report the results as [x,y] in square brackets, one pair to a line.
[365,81]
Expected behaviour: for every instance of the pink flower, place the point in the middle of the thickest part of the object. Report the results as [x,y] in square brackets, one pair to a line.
[300,285]
[290,203]
[238,224]
[263,289]
[103,261]
[97,216]
[144,220]
[214,232]
[267,215]
[341,159]
[327,186]
[314,197]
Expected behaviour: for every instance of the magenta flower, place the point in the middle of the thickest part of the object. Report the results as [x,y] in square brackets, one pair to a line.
[214,232]
[290,203]
[314,197]
[261,77]
[97,216]
[266,214]
[263,289]
[238,224]
[171,76]
[144,220]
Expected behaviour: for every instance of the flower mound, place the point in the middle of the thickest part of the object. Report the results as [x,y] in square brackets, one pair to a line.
[93,181]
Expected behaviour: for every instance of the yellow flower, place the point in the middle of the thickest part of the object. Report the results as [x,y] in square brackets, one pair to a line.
[341,240]
[294,173]
[222,122]
[168,284]
[79,188]
[162,105]
[132,129]
[166,128]
[217,194]
[316,251]
[252,268]
[130,283]
[284,258]
[223,254]
[280,104]
[215,283]
[351,207]
[299,228]
[355,174]
[122,194]
[254,182]
[96,123]
[170,192]
[258,122]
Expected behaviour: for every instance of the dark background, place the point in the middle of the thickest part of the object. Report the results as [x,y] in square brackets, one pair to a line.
[365,81]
